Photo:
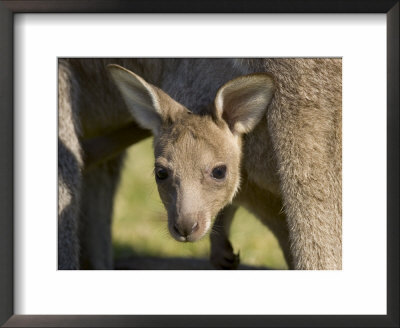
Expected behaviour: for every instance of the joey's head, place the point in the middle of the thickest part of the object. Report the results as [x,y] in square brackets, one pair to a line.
[197,157]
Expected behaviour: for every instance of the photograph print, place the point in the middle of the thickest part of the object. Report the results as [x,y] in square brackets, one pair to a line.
[199,163]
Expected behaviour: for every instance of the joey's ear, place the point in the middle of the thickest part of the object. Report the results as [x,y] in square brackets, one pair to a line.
[242,102]
[142,98]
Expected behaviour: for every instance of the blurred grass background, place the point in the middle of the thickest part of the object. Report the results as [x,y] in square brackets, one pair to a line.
[140,227]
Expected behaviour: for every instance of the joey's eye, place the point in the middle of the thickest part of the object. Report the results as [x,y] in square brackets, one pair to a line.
[161,173]
[219,172]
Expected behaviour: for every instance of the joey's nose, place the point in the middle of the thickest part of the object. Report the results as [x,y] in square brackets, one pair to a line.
[186,228]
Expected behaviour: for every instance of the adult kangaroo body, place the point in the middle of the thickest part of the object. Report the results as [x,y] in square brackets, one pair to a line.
[303,128]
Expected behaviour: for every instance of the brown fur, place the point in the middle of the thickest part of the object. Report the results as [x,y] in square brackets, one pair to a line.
[304,124]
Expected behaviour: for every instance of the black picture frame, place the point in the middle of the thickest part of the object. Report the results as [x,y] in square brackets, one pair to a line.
[10,7]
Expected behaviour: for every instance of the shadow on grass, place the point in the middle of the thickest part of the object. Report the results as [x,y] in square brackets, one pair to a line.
[127,258]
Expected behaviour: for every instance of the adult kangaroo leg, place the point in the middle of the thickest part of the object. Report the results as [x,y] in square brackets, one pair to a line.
[305,126]
[222,256]
[98,190]
[267,207]
[69,173]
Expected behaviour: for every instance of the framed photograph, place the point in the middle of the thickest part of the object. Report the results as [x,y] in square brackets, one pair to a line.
[41,41]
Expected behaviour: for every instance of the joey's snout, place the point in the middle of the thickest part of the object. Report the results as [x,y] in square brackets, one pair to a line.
[189,227]
[186,228]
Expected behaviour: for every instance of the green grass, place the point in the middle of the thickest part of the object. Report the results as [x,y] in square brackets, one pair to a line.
[140,227]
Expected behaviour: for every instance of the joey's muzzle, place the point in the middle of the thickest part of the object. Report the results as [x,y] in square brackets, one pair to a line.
[189,227]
